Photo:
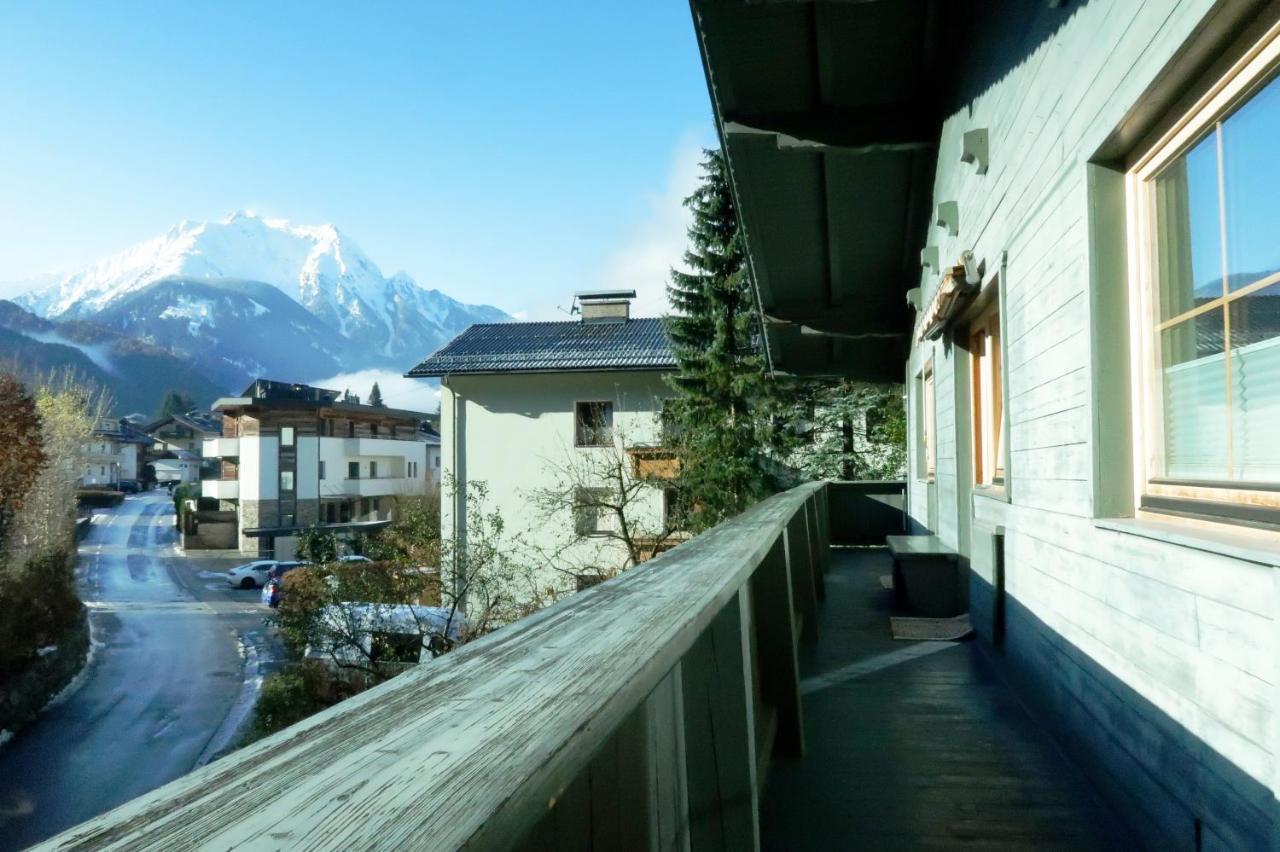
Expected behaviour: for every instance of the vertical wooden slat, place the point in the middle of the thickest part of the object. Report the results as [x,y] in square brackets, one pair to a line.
[815,549]
[777,635]
[720,734]
[800,566]
[668,806]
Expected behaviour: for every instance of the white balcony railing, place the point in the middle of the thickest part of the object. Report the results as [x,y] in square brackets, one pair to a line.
[628,715]
[384,447]
[378,486]
[220,489]
[221,448]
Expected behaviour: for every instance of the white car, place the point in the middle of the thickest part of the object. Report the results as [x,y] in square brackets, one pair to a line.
[351,557]
[251,574]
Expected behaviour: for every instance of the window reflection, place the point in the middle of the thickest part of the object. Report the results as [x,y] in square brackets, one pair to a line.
[1251,177]
[1189,233]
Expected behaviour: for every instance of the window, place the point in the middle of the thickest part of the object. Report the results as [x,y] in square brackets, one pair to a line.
[988,397]
[593,424]
[373,470]
[437,461]
[587,510]
[286,436]
[1205,209]
[322,470]
[373,429]
[353,470]
[286,480]
[351,428]
[926,441]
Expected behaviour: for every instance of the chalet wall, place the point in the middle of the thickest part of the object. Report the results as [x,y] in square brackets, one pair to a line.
[1157,658]
[517,430]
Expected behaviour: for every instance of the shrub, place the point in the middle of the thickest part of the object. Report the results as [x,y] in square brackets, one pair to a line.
[290,695]
[99,499]
[39,603]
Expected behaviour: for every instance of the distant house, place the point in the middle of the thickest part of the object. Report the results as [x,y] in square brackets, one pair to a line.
[116,452]
[520,402]
[295,456]
[186,431]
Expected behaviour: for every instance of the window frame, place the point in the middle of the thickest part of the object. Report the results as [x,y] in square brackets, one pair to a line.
[578,429]
[987,391]
[585,524]
[1244,502]
[927,431]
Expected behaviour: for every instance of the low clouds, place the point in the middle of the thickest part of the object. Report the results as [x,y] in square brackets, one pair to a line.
[397,391]
[643,263]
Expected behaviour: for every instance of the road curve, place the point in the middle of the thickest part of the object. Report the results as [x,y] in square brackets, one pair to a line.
[163,680]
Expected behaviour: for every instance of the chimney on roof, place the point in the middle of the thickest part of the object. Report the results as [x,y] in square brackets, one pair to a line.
[604,305]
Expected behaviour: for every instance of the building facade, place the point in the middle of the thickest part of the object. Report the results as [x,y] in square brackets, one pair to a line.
[116,452]
[294,456]
[538,413]
[1055,222]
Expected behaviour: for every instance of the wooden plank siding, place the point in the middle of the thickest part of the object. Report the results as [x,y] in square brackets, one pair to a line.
[624,717]
[1159,660]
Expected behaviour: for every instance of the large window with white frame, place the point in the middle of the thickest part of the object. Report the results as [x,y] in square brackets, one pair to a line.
[1205,229]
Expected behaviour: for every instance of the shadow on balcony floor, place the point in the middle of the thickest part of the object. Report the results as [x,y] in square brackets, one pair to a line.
[918,745]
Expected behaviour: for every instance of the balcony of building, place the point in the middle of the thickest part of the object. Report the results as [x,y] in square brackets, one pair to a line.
[395,447]
[221,448]
[740,691]
[220,489]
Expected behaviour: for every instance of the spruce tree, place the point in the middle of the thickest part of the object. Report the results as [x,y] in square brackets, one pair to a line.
[375,396]
[721,411]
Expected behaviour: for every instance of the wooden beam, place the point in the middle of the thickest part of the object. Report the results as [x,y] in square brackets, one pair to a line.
[849,130]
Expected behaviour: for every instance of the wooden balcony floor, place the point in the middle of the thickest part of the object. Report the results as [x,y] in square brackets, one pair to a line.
[918,745]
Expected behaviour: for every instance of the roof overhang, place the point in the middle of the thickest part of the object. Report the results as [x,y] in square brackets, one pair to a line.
[828,114]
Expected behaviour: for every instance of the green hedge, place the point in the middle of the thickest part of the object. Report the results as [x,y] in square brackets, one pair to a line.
[98,498]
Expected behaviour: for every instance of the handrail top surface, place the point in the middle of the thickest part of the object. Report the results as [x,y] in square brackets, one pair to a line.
[460,749]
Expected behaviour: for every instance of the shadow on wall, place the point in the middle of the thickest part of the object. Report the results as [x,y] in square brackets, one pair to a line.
[1173,790]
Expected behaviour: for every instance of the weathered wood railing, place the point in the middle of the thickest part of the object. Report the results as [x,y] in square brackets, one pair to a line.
[638,714]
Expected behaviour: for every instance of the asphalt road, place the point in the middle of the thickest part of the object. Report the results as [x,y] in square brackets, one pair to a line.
[178,655]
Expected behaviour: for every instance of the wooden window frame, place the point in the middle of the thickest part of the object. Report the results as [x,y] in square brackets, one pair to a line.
[928,426]
[1241,502]
[987,404]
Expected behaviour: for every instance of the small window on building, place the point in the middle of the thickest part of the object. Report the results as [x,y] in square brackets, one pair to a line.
[988,398]
[588,509]
[286,436]
[351,428]
[286,480]
[353,470]
[373,429]
[437,461]
[926,443]
[593,424]
[321,470]
[373,470]
[588,578]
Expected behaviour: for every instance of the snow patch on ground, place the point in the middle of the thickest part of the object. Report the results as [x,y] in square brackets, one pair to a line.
[78,681]
[238,716]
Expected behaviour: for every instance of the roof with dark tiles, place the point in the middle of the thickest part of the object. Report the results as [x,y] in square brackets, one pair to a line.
[549,347]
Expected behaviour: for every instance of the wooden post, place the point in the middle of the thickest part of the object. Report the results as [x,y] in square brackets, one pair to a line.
[776,639]
[814,534]
[719,729]
[800,566]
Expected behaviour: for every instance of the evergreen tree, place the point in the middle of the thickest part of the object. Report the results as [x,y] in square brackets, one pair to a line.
[176,402]
[375,396]
[721,413]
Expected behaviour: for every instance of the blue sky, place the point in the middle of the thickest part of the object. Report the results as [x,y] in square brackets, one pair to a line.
[503,152]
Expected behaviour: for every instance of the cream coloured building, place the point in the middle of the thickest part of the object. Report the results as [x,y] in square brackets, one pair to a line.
[531,409]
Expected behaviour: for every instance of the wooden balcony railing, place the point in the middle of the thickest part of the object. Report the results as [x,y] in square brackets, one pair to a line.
[639,713]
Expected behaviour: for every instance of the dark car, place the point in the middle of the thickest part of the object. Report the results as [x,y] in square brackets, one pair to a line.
[128,486]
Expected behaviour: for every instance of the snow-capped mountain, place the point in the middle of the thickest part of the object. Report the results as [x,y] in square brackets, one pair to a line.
[192,289]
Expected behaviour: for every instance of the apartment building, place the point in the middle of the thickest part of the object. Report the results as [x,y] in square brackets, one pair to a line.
[116,452]
[294,456]
[524,405]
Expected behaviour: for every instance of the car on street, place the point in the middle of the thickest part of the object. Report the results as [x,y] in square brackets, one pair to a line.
[251,574]
[128,486]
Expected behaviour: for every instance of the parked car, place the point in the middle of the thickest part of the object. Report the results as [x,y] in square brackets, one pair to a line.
[128,486]
[352,557]
[251,574]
